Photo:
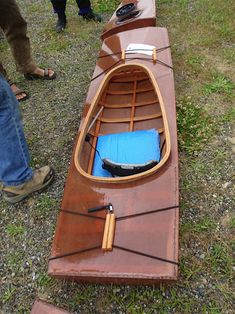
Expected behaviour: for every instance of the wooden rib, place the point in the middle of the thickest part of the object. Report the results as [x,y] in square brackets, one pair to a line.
[130,91]
[140,118]
[94,142]
[133,108]
[128,80]
[129,105]
[106,231]
[111,231]
[160,131]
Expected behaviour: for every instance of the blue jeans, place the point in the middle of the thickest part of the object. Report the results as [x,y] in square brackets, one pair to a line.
[14,154]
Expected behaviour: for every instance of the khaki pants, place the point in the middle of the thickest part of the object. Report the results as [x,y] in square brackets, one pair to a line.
[15,28]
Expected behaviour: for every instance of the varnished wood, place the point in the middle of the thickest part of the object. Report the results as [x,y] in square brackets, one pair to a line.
[146,18]
[154,55]
[130,91]
[123,55]
[111,232]
[133,108]
[106,232]
[156,233]
[160,131]
[103,91]
[129,105]
[121,120]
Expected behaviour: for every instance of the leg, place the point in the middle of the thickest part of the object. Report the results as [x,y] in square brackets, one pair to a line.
[84,6]
[86,11]
[20,95]
[18,179]
[59,7]
[14,155]
[15,28]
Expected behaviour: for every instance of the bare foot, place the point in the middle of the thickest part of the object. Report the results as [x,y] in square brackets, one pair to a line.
[20,95]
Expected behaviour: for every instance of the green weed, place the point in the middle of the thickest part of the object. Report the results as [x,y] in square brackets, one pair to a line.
[44,204]
[85,294]
[220,84]
[14,230]
[14,260]
[106,5]
[44,280]
[232,222]
[205,224]
[229,54]
[8,294]
[195,126]
[220,260]
[228,116]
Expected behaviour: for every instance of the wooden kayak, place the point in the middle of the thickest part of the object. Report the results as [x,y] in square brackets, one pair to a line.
[42,307]
[142,14]
[123,230]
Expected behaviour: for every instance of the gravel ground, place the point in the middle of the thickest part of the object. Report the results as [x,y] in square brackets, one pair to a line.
[51,119]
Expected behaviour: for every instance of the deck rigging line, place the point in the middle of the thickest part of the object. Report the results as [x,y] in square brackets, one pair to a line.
[128,51]
[75,252]
[116,246]
[81,214]
[147,213]
[146,255]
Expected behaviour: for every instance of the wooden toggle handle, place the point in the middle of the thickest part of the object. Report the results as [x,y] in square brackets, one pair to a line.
[154,55]
[111,232]
[123,57]
[106,231]
[109,228]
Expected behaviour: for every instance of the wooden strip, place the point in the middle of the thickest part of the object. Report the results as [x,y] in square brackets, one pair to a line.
[95,118]
[94,142]
[128,105]
[93,133]
[148,117]
[106,232]
[140,118]
[133,107]
[128,80]
[111,231]
[141,90]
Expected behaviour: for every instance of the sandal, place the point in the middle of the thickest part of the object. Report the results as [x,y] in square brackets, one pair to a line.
[34,76]
[17,92]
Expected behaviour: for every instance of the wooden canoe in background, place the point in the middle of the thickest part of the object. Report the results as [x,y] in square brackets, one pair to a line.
[143,15]
[145,244]
[42,307]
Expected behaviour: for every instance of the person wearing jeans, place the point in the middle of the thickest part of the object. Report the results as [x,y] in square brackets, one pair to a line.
[18,180]
[85,11]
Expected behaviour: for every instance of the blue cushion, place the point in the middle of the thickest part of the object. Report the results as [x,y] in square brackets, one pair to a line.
[136,147]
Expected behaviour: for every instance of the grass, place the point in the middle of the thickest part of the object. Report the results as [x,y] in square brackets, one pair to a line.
[201,35]
[219,84]
[13,230]
[195,126]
